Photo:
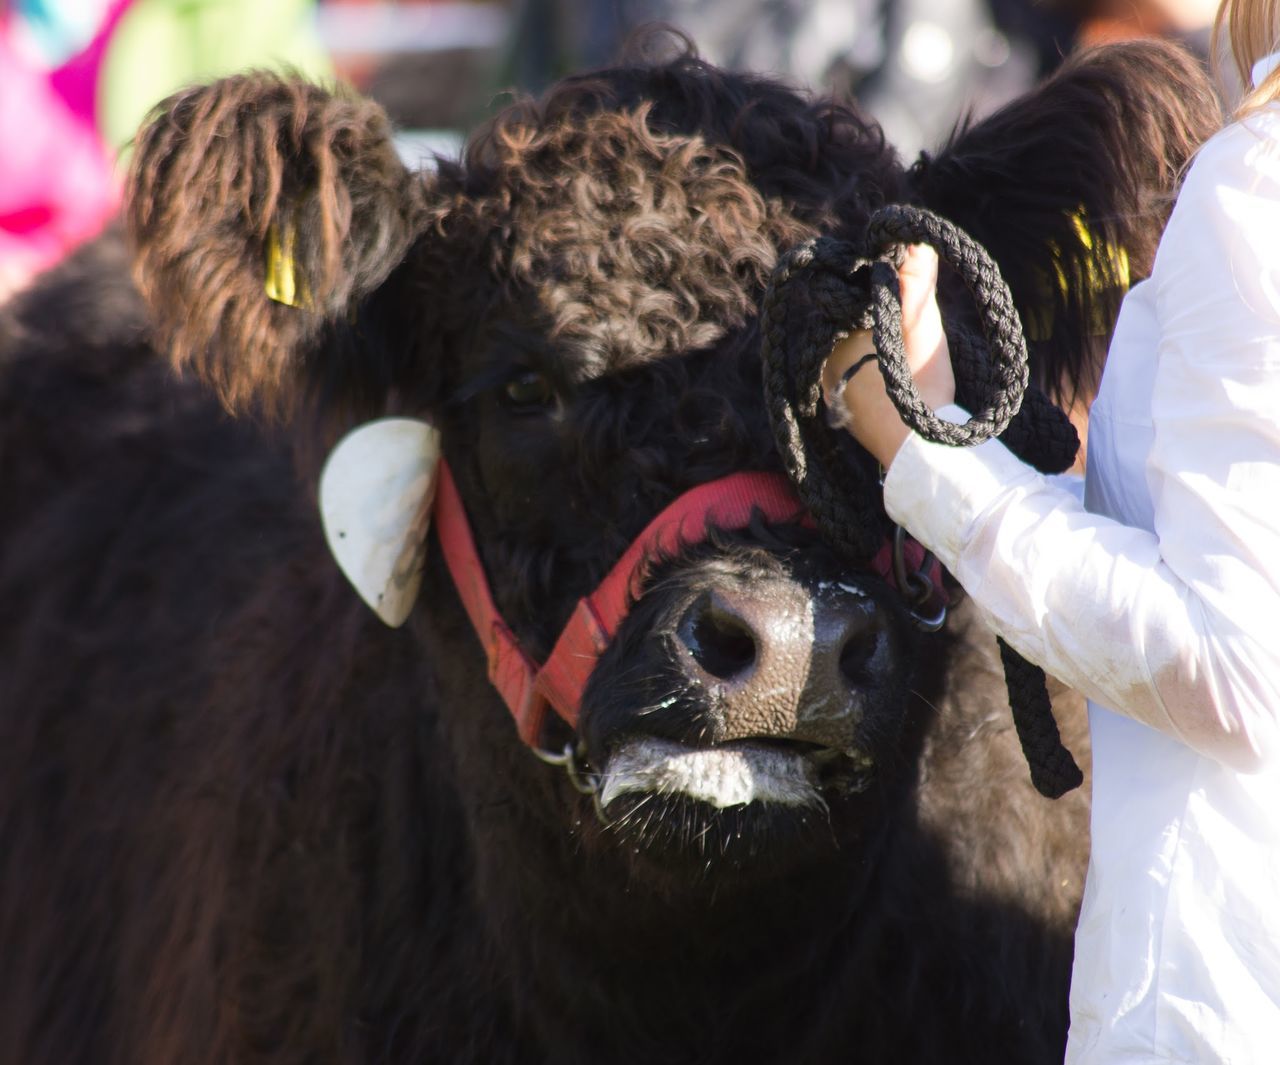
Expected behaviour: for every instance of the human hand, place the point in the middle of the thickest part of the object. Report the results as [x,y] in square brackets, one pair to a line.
[873,419]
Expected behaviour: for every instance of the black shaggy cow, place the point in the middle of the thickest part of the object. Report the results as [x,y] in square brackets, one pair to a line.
[242,820]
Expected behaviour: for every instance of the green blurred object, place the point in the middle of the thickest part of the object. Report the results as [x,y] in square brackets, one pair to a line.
[162,45]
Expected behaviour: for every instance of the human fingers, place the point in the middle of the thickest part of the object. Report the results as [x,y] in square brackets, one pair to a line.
[923,336]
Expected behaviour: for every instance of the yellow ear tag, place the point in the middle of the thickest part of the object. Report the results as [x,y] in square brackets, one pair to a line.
[1117,259]
[282,282]
[1038,322]
[376,492]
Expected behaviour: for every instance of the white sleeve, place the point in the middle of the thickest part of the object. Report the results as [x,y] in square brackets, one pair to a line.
[1178,628]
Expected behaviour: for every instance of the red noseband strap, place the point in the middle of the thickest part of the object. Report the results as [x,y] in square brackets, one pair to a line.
[529,690]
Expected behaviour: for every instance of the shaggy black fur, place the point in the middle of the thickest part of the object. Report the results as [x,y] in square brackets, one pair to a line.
[240,821]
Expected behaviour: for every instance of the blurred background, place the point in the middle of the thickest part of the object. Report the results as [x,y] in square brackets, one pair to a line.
[77,76]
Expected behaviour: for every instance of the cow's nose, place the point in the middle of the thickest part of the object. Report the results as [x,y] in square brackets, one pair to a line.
[779,660]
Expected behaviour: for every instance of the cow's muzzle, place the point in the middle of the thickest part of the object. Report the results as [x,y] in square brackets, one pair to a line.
[782,661]
[779,690]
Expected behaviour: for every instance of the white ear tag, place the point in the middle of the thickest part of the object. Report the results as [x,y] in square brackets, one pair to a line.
[376,492]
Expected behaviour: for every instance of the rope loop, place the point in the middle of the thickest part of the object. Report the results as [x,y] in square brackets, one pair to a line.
[1005,373]
[824,290]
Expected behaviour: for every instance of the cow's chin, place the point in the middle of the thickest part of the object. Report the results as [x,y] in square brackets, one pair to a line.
[744,807]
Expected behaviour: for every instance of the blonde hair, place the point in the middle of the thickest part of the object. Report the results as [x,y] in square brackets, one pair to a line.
[1253,28]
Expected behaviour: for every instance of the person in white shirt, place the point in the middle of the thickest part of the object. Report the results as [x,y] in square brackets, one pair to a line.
[1159,599]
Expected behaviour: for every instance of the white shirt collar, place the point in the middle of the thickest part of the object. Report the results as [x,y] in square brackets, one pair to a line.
[1263,67]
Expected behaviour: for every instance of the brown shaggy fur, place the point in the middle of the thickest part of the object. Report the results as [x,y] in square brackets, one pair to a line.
[240,821]
[668,234]
[262,152]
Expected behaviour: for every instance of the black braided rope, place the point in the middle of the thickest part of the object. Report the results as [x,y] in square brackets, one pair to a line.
[824,290]
[1053,771]
[1005,375]
[812,299]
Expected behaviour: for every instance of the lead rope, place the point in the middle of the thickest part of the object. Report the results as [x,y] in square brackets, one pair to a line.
[820,293]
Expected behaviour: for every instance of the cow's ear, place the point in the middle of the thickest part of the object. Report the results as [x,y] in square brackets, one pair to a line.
[1069,188]
[262,210]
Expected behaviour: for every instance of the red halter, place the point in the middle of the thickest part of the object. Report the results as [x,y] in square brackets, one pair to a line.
[529,690]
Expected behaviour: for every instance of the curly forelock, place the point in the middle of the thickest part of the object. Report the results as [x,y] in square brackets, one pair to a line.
[635,243]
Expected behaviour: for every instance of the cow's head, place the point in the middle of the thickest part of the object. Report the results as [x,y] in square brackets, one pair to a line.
[574,306]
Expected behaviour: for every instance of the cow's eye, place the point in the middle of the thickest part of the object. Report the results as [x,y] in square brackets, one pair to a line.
[529,389]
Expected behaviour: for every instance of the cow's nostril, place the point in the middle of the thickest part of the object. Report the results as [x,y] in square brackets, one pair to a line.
[856,659]
[719,641]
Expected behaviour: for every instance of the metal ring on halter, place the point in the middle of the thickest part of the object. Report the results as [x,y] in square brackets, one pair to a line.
[929,624]
[916,587]
[573,761]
